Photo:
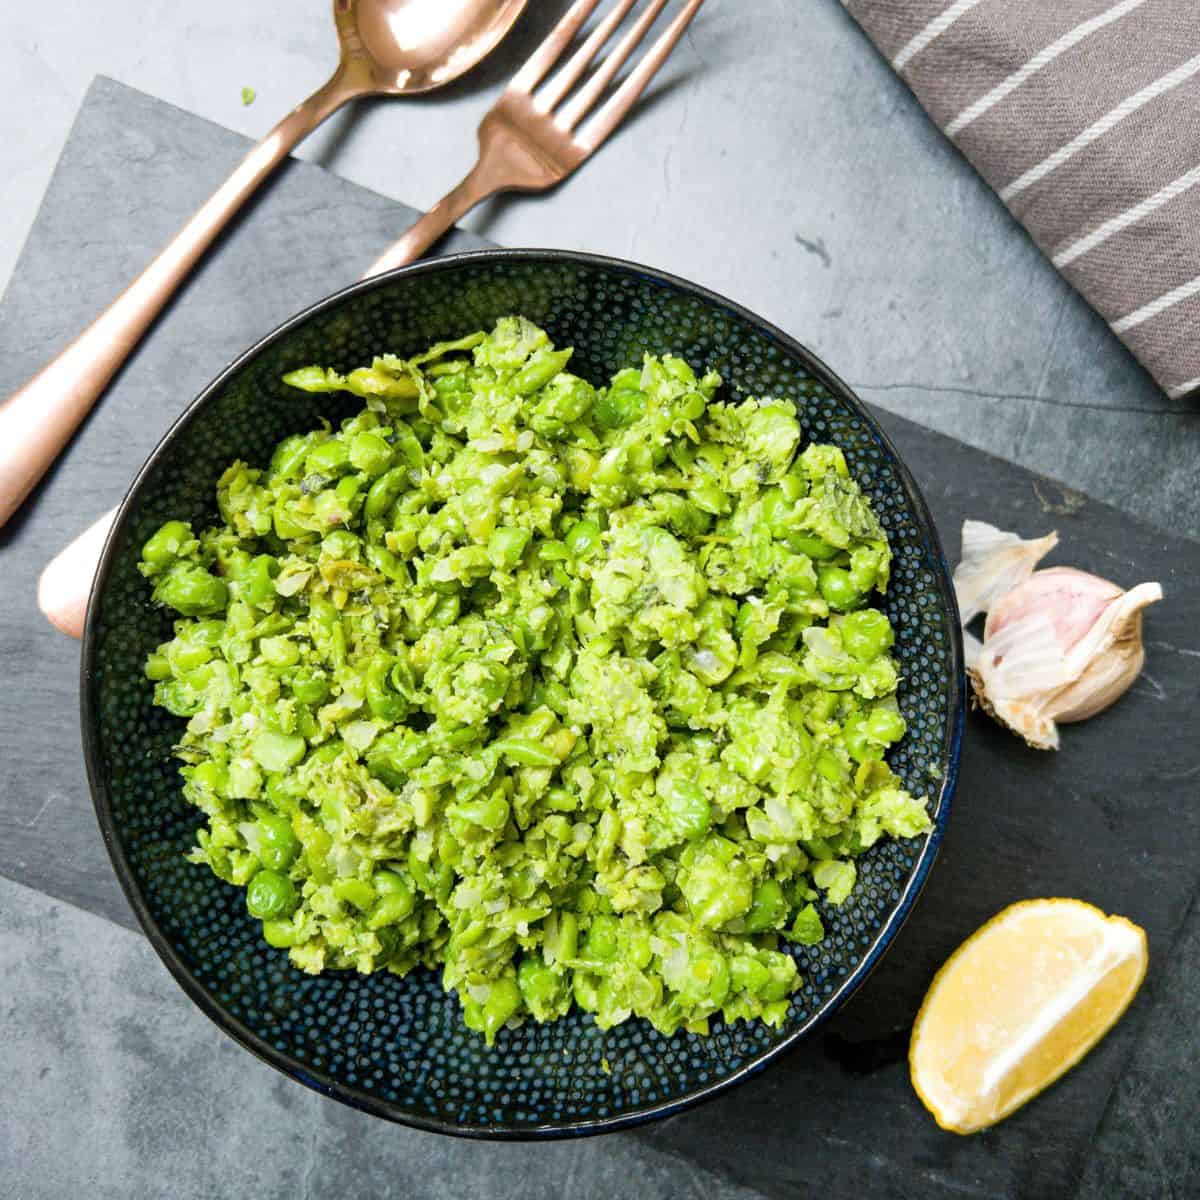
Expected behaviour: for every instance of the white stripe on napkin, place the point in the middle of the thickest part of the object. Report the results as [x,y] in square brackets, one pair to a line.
[1043,58]
[1131,216]
[1182,389]
[1185,291]
[1097,130]
[932,32]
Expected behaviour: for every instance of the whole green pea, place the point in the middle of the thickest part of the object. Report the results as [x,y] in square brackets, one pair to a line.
[867,634]
[271,895]
[192,591]
[277,843]
[838,589]
[163,547]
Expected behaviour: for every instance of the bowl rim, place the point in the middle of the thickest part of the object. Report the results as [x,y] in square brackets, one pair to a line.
[355,1097]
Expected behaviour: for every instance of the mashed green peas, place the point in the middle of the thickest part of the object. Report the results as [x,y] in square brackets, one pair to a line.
[572,694]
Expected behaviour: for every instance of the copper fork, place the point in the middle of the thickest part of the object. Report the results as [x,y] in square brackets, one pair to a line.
[529,141]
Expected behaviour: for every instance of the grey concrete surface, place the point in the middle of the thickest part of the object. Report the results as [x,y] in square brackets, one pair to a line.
[782,164]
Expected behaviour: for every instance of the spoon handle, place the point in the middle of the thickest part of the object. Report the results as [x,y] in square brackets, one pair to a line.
[37,421]
[67,579]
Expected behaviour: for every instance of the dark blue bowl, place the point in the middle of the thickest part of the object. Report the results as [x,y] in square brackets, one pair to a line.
[398,1047]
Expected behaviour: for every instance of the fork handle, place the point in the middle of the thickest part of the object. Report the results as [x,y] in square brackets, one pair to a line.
[438,221]
[37,421]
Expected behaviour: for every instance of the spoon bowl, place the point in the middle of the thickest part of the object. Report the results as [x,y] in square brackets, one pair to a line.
[418,45]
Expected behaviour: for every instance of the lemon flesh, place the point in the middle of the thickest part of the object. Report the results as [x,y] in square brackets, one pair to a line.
[1018,1004]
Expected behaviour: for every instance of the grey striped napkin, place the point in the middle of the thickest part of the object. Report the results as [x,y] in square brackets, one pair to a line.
[1084,115]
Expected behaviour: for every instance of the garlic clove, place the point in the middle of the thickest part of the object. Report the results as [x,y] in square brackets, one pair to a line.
[1041,665]
[993,563]
[1113,657]
[1014,674]
[1073,600]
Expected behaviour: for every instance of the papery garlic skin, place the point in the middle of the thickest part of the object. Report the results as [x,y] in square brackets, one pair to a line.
[1060,648]
[993,563]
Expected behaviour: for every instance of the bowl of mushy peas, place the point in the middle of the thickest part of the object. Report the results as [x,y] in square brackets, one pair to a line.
[522,695]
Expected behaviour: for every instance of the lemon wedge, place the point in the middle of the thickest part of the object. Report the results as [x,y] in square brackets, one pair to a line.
[1017,1004]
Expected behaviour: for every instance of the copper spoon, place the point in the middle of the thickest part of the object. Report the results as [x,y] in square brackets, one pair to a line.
[386,48]
[529,140]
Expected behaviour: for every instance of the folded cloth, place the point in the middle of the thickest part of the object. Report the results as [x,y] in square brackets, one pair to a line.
[1084,115]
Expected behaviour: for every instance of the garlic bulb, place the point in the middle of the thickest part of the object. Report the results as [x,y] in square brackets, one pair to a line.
[1059,645]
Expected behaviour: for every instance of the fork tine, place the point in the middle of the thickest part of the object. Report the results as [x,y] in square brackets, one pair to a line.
[569,76]
[614,110]
[556,41]
[581,104]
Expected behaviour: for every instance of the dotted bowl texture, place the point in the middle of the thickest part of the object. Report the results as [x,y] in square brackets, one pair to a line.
[398,1047]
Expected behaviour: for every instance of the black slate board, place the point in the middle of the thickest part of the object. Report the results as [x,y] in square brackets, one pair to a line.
[1111,818]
